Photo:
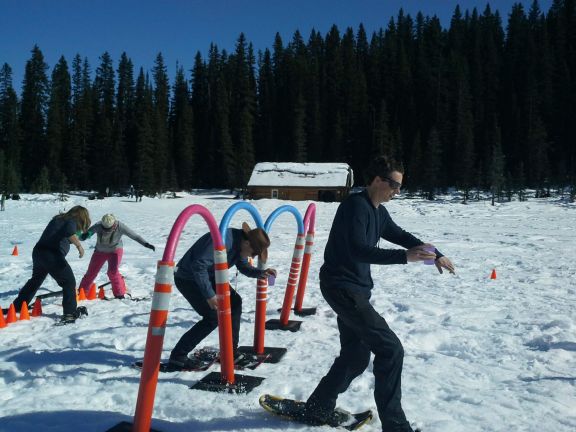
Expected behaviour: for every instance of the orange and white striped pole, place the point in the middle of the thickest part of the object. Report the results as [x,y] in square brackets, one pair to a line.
[261,284]
[260,319]
[292,279]
[159,314]
[154,342]
[309,221]
[224,314]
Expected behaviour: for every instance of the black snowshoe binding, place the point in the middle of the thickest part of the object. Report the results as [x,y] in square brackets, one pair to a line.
[80,312]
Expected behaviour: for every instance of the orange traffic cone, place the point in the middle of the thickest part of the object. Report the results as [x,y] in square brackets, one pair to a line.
[101,293]
[24,314]
[81,294]
[493,275]
[37,309]
[2,320]
[92,292]
[15,251]
[11,317]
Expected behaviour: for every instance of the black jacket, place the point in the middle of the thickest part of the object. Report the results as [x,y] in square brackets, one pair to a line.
[352,243]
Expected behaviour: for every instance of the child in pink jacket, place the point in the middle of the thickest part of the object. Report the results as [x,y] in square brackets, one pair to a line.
[109,232]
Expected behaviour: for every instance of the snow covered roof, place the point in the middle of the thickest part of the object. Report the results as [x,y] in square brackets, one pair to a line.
[301,174]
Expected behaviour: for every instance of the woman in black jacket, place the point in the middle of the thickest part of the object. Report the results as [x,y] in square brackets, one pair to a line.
[49,258]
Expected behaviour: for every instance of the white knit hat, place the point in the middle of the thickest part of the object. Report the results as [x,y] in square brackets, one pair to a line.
[108,220]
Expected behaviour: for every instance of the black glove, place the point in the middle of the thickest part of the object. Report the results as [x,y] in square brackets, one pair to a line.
[84,236]
[149,246]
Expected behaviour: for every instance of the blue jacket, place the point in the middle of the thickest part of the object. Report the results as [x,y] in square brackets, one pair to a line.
[353,243]
[197,264]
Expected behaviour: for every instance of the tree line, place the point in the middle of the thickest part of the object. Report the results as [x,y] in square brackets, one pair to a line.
[475,106]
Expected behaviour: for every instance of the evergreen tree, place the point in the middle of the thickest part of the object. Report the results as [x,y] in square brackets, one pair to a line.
[58,120]
[124,125]
[41,183]
[161,112]
[264,142]
[464,143]
[35,92]
[297,63]
[2,172]
[432,165]
[403,98]
[106,162]
[221,144]
[497,165]
[75,159]
[144,176]
[282,112]
[477,94]
[9,129]
[299,131]
[182,123]
[382,140]
[561,30]
[514,119]
[312,93]
[201,108]
[428,73]
[537,148]
[11,178]
[334,147]
[243,111]
[491,41]
[356,127]
[414,176]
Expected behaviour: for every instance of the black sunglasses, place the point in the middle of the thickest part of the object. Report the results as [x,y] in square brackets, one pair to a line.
[393,183]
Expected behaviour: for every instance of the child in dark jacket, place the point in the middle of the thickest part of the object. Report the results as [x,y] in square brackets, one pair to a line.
[49,258]
[195,279]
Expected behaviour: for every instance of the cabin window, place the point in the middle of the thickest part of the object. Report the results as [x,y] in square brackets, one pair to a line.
[274,193]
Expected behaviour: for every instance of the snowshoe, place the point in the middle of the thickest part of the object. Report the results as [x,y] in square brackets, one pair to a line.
[81,311]
[296,411]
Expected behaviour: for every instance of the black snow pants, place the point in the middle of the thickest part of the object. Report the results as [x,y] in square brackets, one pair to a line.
[362,331]
[49,262]
[209,320]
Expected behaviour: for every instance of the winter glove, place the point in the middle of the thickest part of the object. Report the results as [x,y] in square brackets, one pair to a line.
[149,246]
[85,235]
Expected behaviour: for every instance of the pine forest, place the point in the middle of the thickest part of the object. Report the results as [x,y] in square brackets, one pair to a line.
[486,104]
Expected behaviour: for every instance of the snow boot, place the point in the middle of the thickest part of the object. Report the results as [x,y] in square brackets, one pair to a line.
[71,318]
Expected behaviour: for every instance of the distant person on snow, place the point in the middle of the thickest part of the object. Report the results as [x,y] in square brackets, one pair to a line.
[346,284]
[195,279]
[49,258]
[109,232]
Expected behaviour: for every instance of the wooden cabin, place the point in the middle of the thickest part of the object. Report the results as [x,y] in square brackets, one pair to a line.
[300,181]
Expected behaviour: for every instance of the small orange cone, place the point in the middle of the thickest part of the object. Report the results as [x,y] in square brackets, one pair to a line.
[81,294]
[24,314]
[493,275]
[101,293]
[92,292]
[37,309]
[15,251]
[11,317]
[2,320]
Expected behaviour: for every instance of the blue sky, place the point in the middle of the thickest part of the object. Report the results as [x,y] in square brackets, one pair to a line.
[180,28]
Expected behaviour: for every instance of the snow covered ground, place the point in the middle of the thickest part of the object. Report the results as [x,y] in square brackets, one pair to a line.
[481,354]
